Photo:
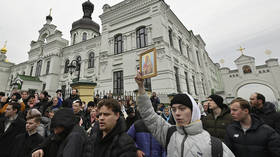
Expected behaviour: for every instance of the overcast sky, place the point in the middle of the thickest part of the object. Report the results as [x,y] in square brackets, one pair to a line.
[224,25]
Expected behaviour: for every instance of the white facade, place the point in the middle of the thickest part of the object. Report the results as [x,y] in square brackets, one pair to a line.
[248,73]
[176,47]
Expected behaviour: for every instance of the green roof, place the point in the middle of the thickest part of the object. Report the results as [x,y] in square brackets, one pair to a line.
[29,78]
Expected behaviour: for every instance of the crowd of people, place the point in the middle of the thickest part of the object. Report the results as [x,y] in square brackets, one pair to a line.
[37,125]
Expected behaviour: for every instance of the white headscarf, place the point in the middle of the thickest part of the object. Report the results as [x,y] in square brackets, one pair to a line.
[195,109]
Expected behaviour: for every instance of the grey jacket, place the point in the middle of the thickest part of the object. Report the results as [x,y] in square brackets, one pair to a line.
[195,144]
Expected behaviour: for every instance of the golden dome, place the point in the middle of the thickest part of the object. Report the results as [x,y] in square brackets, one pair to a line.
[6,60]
[4,49]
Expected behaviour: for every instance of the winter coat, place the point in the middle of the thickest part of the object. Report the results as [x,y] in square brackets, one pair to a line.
[42,106]
[70,142]
[260,140]
[69,101]
[269,115]
[190,140]
[115,144]
[217,127]
[145,141]
[25,144]
[7,139]
[155,101]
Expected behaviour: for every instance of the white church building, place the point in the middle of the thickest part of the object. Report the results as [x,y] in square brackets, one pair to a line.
[108,55]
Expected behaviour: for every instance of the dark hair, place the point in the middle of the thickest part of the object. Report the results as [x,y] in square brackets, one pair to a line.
[15,105]
[260,97]
[244,104]
[75,90]
[78,101]
[2,94]
[30,96]
[111,104]
[23,91]
[34,113]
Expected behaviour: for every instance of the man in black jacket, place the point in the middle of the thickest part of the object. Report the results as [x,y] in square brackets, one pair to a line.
[73,97]
[44,103]
[68,138]
[28,141]
[248,135]
[265,110]
[10,126]
[111,139]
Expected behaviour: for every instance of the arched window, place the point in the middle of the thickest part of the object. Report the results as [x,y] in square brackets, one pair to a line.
[141,37]
[170,37]
[23,73]
[84,36]
[38,68]
[91,60]
[66,69]
[118,44]
[74,38]
[78,59]
[247,69]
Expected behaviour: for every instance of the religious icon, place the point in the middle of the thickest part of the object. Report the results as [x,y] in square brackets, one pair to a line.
[148,65]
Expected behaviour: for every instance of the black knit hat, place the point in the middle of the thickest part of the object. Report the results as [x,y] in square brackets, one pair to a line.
[218,100]
[183,99]
[46,94]
[91,103]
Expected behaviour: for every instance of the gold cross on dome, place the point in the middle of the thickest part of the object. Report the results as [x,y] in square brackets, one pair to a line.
[241,49]
[50,11]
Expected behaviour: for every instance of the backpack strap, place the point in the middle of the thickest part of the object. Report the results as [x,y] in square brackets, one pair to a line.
[170,131]
[216,147]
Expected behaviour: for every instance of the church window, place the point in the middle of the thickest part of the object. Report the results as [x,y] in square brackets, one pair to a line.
[148,84]
[91,60]
[197,55]
[66,69]
[187,82]
[31,70]
[74,38]
[202,82]
[118,83]
[38,68]
[188,51]
[177,80]
[180,45]
[247,69]
[48,67]
[79,59]
[118,44]
[141,37]
[194,85]
[170,37]
[23,73]
[267,70]
[84,36]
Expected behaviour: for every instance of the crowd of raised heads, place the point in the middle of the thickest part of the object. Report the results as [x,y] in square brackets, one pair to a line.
[38,125]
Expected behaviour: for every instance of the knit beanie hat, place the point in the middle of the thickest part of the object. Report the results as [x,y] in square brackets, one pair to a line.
[218,100]
[182,99]
[46,94]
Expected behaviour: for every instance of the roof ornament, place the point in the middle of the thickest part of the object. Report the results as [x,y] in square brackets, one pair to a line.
[4,49]
[241,50]
[49,17]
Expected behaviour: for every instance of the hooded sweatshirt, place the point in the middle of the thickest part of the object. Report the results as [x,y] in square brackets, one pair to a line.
[190,140]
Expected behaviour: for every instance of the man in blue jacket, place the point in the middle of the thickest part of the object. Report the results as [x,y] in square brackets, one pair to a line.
[147,145]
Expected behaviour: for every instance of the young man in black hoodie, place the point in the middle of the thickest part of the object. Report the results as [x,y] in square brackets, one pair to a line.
[68,139]
[111,139]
